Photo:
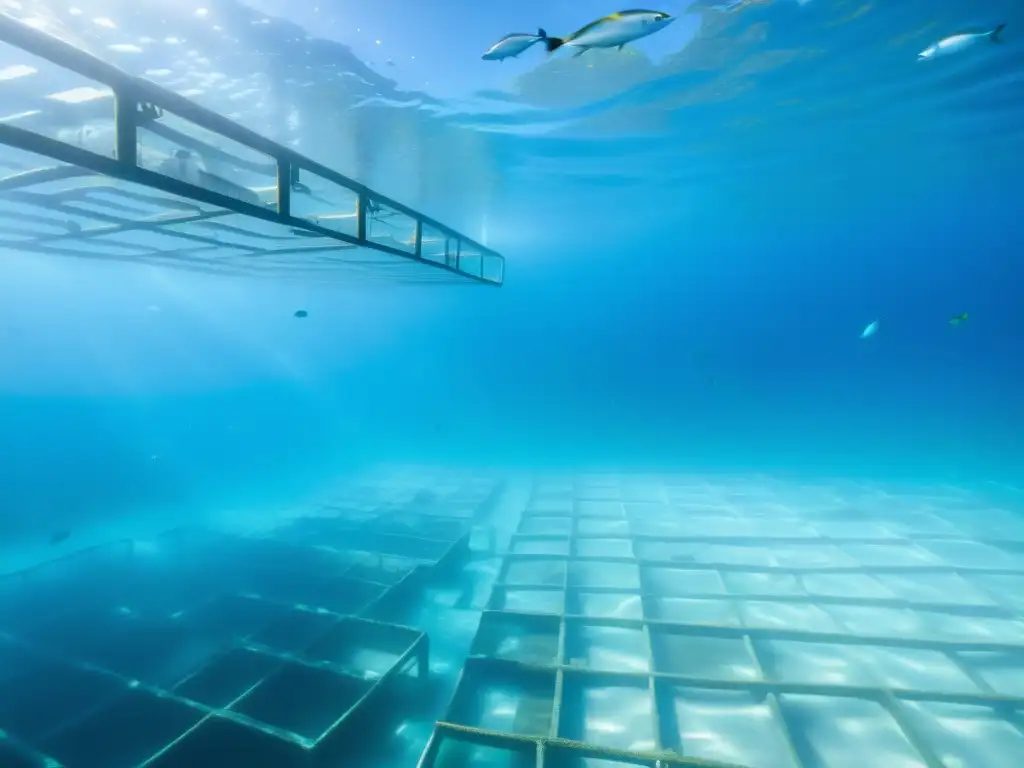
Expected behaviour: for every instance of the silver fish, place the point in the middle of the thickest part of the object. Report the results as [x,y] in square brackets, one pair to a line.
[512,45]
[613,31]
[959,42]
[870,330]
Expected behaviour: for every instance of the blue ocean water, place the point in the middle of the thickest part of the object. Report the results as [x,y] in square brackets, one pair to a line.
[697,228]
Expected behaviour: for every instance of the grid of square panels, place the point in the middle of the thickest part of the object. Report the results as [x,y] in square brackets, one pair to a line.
[747,622]
[198,645]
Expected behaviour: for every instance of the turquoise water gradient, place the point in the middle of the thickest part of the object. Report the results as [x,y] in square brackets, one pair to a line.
[697,230]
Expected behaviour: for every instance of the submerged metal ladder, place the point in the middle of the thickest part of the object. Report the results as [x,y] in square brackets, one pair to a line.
[429,252]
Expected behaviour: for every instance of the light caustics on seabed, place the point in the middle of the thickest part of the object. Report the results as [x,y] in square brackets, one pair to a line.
[685,621]
[650,621]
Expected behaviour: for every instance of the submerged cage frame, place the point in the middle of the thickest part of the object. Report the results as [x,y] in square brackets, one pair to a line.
[543,647]
[235,701]
[462,259]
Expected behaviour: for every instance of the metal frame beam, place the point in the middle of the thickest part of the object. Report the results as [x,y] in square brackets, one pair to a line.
[130,92]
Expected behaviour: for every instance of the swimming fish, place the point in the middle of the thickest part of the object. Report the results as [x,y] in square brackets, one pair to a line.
[512,45]
[958,319]
[58,536]
[870,329]
[961,41]
[301,313]
[612,31]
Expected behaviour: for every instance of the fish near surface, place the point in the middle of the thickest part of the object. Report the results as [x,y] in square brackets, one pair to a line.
[959,42]
[613,31]
[512,45]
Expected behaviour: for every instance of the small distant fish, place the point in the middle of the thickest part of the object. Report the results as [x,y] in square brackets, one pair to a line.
[961,41]
[958,319]
[870,329]
[613,31]
[301,313]
[512,45]
[59,536]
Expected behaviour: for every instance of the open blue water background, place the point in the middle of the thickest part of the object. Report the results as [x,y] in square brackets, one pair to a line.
[697,230]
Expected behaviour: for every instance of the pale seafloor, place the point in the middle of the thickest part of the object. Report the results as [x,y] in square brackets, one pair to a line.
[723,620]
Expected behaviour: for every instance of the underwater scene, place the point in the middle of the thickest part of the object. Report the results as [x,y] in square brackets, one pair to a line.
[531,384]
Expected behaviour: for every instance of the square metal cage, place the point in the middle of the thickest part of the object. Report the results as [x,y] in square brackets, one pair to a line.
[746,622]
[204,648]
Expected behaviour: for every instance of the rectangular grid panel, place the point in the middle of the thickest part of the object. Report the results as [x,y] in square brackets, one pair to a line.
[663,621]
[266,647]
